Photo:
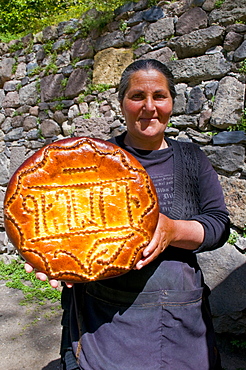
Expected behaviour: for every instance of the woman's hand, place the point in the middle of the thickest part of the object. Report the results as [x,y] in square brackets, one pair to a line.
[178,233]
[43,277]
[161,239]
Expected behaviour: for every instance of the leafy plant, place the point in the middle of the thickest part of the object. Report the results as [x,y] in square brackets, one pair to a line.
[138,42]
[16,46]
[91,88]
[242,68]
[239,343]
[233,237]
[241,126]
[123,26]
[48,47]
[33,289]
[219,3]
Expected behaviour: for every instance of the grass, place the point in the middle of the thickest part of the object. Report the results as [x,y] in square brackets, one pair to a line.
[34,290]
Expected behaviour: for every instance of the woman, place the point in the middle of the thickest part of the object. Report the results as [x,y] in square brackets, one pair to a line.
[156,316]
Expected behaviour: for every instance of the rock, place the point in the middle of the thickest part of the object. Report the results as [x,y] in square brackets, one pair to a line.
[50,33]
[204,119]
[224,17]
[160,30]
[184,121]
[151,15]
[59,117]
[76,83]
[210,89]
[4,173]
[134,34]
[11,100]
[28,94]
[198,137]
[109,64]
[49,128]
[29,123]
[73,111]
[199,69]
[14,135]
[229,137]
[17,157]
[235,198]
[197,42]
[97,128]
[82,49]
[191,20]
[51,87]
[224,272]
[240,52]
[228,105]
[164,55]
[195,101]
[226,160]
[6,66]
[232,41]
[180,99]
[114,39]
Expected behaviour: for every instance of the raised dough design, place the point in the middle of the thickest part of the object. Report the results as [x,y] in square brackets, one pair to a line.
[54,216]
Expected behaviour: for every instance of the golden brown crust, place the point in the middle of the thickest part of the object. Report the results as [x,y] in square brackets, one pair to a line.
[81,209]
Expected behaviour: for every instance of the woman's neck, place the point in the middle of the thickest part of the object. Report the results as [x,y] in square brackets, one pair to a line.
[145,144]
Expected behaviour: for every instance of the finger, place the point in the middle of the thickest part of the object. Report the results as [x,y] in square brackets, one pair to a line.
[53,283]
[152,246]
[145,261]
[41,276]
[69,285]
[28,267]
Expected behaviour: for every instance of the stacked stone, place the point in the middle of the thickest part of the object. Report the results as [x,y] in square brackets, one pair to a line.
[43,78]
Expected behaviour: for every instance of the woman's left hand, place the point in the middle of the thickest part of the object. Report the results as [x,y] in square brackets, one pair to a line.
[186,234]
[162,237]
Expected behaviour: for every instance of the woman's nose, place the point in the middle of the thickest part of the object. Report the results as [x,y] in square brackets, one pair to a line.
[149,104]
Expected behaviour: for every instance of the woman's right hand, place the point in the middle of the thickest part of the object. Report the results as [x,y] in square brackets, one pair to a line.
[43,277]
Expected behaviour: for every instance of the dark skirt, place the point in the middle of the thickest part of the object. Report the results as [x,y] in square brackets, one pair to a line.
[114,329]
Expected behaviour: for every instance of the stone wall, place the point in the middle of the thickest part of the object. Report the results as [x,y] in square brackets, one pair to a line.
[48,91]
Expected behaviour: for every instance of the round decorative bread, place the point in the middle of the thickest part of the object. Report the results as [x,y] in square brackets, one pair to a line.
[81,209]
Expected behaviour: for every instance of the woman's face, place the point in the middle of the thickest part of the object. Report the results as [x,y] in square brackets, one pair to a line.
[147,105]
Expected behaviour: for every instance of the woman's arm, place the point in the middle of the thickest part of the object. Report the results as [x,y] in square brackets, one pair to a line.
[178,233]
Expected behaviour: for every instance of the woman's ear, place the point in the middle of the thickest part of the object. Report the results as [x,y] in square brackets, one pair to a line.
[121,108]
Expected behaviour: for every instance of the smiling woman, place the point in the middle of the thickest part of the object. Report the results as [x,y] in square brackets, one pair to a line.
[147,106]
[155,316]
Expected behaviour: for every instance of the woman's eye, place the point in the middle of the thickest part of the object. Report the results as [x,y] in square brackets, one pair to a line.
[137,97]
[159,97]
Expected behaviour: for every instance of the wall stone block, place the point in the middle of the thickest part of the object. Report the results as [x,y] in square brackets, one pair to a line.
[226,160]
[109,64]
[199,69]
[191,20]
[51,87]
[197,42]
[160,30]
[229,103]
[76,83]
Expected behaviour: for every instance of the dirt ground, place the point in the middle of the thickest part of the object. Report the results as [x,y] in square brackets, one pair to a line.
[30,336]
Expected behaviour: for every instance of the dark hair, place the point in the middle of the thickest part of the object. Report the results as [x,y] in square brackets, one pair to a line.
[145,64]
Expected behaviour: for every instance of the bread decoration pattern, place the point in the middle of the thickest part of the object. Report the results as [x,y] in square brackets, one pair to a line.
[81,209]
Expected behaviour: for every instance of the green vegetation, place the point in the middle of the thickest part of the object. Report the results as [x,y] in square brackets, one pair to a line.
[241,126]
[91,88]
[233,238]
[20,17]
[219,3]
[242,68]
[33,289]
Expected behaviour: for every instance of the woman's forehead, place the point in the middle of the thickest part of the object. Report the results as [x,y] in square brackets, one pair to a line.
[149,77]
